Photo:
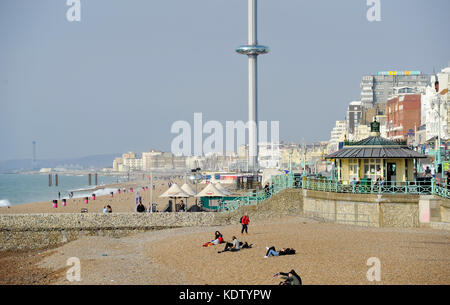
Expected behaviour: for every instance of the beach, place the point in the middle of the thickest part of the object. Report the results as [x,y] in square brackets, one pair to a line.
[123,202]
[325,254]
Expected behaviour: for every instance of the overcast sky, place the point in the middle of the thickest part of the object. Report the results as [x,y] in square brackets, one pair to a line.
[117,80]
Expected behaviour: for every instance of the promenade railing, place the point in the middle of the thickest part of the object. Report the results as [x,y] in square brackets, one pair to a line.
[279,183]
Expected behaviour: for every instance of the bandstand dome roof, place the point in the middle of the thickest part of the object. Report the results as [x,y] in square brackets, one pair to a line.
[376,147]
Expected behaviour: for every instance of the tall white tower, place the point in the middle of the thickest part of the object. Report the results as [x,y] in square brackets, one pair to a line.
[252,50]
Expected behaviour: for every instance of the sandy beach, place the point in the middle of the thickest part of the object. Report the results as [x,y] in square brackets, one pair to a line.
[326,254]
[123,202]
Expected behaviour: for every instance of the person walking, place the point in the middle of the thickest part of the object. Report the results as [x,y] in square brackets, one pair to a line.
[244,222]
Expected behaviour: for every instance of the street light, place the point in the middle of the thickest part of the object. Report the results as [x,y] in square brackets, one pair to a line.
[195,178]
[304,159]
[436,103]
[291,151]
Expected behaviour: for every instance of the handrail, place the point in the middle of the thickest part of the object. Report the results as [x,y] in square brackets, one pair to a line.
[279,183]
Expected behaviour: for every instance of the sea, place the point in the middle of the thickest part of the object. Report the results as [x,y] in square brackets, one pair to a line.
[27,188]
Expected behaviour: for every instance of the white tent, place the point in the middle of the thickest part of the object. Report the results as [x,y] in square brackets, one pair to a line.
[223,189]
[188,190]
[211,191]
[174,191]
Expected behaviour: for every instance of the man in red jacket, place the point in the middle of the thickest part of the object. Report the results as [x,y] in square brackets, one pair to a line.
[244,222]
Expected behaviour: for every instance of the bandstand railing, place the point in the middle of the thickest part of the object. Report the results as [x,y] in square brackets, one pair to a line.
[279,183]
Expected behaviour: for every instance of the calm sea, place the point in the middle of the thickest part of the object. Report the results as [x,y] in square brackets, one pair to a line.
[23,188]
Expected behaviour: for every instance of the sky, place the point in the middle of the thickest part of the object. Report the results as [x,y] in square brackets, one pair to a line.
[117,80]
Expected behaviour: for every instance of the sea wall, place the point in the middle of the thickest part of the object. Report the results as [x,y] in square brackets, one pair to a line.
[33,231]
[363,209]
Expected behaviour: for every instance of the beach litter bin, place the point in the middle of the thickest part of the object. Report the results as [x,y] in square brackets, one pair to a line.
[86,199]
[55,203]
[365,185]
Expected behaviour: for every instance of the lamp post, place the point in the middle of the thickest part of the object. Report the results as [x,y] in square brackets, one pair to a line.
[196,177]
[290,159]
[304,159]
[436,103]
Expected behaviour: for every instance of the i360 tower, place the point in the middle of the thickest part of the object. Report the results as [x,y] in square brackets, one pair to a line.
[252,50]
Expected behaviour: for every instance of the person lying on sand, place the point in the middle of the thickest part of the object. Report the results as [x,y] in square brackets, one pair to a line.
[235,246]
[290,278]
[274,252]
[218,239]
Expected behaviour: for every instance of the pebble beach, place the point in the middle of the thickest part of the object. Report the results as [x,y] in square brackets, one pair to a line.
[326,254]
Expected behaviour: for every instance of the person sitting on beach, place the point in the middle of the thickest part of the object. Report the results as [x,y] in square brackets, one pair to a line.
[108,209]
[291,278]
[105,210]
[181,206]
[233,247]
[140,208]
[273,252]
[218,239]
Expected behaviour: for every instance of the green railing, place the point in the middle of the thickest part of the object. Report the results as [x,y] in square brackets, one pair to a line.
[290,181]
[277,184]
[370,187]
[251,198]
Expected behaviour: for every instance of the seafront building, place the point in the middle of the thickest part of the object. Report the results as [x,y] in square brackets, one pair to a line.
[338,134]
[354,116]
[431,114]
[403,116]
[378,88]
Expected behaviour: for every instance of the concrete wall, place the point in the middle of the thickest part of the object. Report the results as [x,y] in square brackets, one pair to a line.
[361,209]
[33,231]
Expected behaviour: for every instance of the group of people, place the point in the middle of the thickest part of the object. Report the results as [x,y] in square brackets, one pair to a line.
[290,278]
[107,209]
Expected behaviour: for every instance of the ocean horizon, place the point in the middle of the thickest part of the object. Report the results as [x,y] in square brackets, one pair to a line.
[28,188]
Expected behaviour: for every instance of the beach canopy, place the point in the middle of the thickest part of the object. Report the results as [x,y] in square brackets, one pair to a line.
[188,190]
[174,191]
[223,189]
[211,191]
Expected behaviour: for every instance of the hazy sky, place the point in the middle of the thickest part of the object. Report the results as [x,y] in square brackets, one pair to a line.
[117,80]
